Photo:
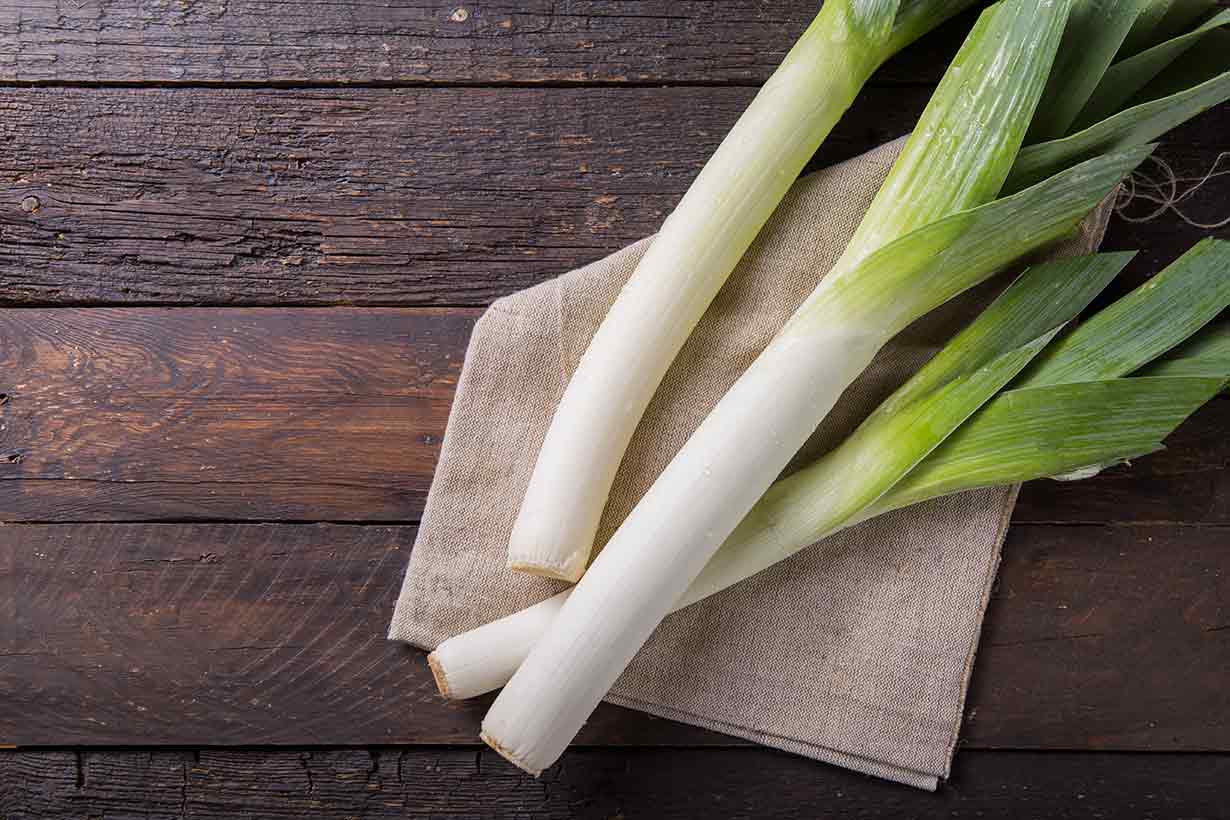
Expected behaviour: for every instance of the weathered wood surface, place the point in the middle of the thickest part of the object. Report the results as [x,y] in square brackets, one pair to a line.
[368,196]
[455,188]
[594,783]
[238,413]
[150,414]
[1106,637]
[386,196]
[469,41]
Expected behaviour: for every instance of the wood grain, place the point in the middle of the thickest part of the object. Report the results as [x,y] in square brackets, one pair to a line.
[455,196]
[1105,638]
[241,413]
[461,185]
[226,634]
[594,783]
[149,414]
[384,196]
[471,41]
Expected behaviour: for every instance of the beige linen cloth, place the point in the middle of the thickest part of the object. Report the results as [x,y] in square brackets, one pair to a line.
[856,651]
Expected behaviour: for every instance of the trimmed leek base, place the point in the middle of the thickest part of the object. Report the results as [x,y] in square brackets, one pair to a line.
[509,755]
[570,568]
[439,671]
[483,659]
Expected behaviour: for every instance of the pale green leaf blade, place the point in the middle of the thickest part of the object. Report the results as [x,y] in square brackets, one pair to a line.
[1161,20]
[1038,301]
[917,17]
[1036,432]
[872,19]
[1148,28]
[1182,16]
[1135,126]
[1171,306]
[1206,354]
[1096,30]
[1127,77]
[929,266]
[1207,59]
[967,138]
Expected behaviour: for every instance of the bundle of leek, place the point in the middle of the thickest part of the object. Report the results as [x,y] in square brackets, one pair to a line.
[1069,413]
[935,229]
[932,231]
[693,254]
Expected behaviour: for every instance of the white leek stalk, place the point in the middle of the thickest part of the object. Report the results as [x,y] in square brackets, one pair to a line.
[687,263]
[956,159]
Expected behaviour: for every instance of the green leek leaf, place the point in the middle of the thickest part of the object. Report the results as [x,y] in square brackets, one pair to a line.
[1035,432]
[1127,77]
[1096,30]
[929,266]
[1171,306]
[1207,354]
[1182,16]
[1137,125]
[1147,30]
[872,19]
[967,138]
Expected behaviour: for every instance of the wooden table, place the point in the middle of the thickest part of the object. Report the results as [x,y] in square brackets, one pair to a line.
[242,245]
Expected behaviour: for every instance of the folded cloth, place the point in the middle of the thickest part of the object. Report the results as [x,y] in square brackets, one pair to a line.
[856,651]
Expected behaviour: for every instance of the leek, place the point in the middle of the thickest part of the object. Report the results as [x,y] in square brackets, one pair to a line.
[1046,425]
[976,363]
[693,254]
[955,161]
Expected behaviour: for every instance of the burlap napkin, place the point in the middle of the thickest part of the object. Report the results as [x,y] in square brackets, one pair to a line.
[856,651]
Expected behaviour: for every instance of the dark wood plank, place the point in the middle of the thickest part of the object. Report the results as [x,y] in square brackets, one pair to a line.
[380,196]
[248,413]
[223,634]
[226,634]
[1106,637]
[368,196]
[595,783]
[148,414]
[488,41]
